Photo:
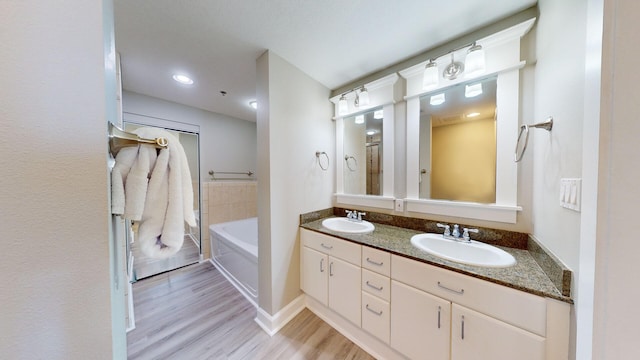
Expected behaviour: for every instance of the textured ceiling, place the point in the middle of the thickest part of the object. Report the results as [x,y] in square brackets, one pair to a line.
[335,42]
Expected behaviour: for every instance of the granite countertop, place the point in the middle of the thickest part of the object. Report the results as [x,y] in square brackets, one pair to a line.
[526,275]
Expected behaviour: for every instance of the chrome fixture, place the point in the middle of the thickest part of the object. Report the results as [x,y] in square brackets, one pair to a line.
[318,154]
[547,125]
[455,234]
[119,139]
[362,99]
[447,231]
[474,65]
[466,231]
[355,215]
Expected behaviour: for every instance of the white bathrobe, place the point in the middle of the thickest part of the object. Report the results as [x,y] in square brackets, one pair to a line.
[155,190]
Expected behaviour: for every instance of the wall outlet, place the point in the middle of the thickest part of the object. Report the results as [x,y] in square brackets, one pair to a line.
[399,205]
[570,193]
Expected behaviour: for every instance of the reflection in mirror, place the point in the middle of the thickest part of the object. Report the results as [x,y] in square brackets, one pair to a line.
[362,146]
[458,143]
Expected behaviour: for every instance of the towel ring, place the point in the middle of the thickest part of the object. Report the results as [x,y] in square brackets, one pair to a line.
[524,129]
[318,153]
[349,157]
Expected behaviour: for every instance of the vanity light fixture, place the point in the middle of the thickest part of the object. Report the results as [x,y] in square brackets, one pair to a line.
[474,62]
[343,106]
[359,119]
[378,114]
[430,77]
[362,99]
[253,104]
[437,99]
[472,90]
[454,69]
[182,79]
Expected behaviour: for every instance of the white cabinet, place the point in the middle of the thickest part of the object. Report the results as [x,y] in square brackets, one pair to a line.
[420,323]
[331,273]
[477,336]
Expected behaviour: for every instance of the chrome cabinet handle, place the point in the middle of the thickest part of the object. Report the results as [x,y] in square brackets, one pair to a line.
[459,292]
[439,309]
[331,269]
[328,247]
[462,327]
[379,313]
[321,263]
[374,262]
[373,286]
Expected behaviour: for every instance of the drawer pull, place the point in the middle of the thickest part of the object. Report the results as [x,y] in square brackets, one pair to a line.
[459,292]
[373,286]
[374,262]
[462,327]
[379,313]
[321,265]
[439,309]
[328,247]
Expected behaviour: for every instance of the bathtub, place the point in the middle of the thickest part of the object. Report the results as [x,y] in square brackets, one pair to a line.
[234,251]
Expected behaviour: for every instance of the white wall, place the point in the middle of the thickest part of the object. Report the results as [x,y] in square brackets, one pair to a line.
[226,143]
[617,267]
[294,121]
[55,298]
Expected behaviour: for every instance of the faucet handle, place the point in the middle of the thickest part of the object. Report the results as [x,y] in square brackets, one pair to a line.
[465,234]
[360,214]
[447,232]
[349,214]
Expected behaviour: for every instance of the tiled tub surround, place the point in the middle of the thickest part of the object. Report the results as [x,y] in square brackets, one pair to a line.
[224,201]
[393,234]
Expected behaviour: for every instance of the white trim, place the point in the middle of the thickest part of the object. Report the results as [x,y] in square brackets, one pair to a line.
[382,202]
[272,324]
[233,281]
[363,339]
[490,212]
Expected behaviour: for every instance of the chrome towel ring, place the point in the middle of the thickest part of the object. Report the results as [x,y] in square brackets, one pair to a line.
[524,129]
[355,162]
[318,153]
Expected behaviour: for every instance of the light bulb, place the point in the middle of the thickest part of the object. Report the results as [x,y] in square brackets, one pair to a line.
[474,63]
[343,106]
[430,77]
[364,97]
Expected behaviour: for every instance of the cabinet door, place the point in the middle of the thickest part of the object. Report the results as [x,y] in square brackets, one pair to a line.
[344,289]
[420,323]
[477,336]
[315,270]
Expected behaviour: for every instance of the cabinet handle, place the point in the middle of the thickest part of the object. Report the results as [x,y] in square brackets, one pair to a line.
[462,327]
[373,286]
[459,292]
[331,268]
[321,263]
[328,247]
[439,309]
[379,313]
[374,262]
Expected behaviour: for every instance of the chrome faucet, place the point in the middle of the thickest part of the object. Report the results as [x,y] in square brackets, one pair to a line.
[360,215]
[447,232]
[466,231]
[455,234]
[354,215]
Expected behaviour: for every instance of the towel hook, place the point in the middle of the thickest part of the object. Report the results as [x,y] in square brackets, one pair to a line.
[119,139]
[547,125]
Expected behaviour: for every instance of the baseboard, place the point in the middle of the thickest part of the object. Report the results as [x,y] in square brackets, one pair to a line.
[363,339]
[272,324]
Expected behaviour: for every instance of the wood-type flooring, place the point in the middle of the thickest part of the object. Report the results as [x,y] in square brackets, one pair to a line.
[194,313]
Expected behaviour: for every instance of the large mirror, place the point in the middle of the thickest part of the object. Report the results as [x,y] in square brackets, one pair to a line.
[363,153]
[458,143]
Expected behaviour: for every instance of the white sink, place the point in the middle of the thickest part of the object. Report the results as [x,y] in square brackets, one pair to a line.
[345,225]
[465,252]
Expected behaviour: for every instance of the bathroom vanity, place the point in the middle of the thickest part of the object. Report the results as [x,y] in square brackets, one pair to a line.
[396,301]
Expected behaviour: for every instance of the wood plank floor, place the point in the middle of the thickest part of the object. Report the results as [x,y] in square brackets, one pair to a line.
[194,313]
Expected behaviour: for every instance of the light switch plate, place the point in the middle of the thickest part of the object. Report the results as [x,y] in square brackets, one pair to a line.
[570,193]
[399,205]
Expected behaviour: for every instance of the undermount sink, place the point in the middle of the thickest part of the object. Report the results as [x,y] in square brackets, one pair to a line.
[461,251]
[345,225]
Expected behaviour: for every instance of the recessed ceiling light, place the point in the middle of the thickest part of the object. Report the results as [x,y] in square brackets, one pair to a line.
[182,79]
[371,132]
[253,104]
[473,114]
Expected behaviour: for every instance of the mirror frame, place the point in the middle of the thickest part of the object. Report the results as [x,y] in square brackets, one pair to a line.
[502,51]
[382,93]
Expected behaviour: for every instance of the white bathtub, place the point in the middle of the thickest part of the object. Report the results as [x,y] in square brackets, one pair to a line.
[234,251]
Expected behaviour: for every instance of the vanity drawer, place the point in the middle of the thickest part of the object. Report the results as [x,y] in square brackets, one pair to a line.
[376,260]
[376,284]
[375,317]
[515,307]
[330,245]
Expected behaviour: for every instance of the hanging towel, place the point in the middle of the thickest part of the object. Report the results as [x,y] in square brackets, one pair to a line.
[156,190]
